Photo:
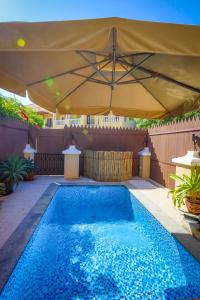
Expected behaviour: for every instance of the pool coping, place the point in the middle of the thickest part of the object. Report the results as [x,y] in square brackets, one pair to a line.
[13,248]
[189,242]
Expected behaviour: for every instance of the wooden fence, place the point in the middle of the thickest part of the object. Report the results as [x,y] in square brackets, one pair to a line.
[167,142]
[54,141]
[13,137]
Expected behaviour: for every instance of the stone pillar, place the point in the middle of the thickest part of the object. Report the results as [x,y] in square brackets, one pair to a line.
[186,162]
[71,162]
[29,152]
[144,163]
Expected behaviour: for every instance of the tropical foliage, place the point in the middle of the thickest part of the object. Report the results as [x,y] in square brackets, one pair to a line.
[144,123]
[11,108]
[189,186]
[30,165]
[12,170]
[31,169]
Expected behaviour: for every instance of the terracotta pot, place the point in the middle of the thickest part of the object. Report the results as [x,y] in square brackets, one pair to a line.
[30,176]
[193,207]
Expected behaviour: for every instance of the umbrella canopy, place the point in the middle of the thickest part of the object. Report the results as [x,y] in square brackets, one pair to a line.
[129,68]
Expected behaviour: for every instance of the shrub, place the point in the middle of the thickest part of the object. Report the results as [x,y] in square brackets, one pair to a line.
[11,108]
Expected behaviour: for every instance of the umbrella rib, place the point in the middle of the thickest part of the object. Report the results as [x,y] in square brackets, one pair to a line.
[134,81]
[91,79]
[166,78]
[135,67]
[79,85]
[134,54]
[67,72]
[98,71]
[169,79]
[150,92]
[94,53]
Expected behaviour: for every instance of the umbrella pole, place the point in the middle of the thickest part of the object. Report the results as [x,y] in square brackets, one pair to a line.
[114,42]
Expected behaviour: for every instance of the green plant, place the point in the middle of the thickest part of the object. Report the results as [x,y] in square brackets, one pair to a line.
[145,123]
[189,187]
[33,117]
[31,169]
[12,170]
[30,165]
[11,108]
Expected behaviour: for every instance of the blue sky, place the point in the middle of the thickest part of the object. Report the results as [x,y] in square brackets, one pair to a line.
[176,11]
[173,11]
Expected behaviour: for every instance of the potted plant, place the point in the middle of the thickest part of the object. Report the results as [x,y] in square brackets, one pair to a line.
[187,191]
[31,169]
[12,171]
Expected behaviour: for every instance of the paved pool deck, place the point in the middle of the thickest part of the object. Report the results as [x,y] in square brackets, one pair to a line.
[15,207]
[156,199]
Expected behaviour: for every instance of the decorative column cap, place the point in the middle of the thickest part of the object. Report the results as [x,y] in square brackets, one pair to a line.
[191,158]
[29,149]
[145,152]
[71,150]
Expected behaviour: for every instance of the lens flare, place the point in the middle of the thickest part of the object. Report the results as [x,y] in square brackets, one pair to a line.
[85,131]
[67,106]
[21,42]
[90,138]
[49,81]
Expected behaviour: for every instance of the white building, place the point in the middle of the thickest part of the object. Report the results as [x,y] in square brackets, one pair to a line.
[52,121]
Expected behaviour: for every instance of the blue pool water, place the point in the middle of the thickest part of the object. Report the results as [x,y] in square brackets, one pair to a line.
[101,243]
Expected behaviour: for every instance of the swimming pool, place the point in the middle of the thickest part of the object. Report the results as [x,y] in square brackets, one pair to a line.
[99,242]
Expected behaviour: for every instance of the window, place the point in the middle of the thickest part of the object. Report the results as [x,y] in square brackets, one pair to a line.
[92,120]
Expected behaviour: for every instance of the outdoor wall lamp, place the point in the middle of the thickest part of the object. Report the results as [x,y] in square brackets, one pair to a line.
[195,139]
[146,141]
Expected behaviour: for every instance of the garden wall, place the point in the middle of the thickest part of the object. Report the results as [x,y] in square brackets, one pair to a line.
[167,142]
[53,141]
[13,137]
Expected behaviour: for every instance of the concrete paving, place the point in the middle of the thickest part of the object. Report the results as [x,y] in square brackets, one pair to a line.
[158,195]
[14,207]
[155,199]
[159,198]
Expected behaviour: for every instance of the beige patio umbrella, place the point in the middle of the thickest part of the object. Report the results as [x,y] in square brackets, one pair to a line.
[129,68]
